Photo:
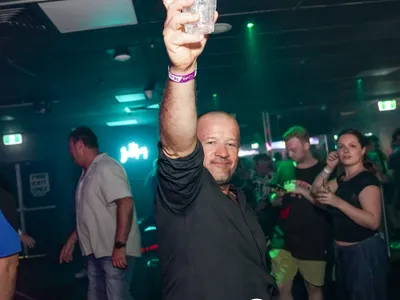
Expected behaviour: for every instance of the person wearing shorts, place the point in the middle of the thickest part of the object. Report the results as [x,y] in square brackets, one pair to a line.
[302,235]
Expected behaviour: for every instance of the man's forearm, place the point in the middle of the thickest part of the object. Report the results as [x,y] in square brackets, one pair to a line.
[124,219]
[178,119]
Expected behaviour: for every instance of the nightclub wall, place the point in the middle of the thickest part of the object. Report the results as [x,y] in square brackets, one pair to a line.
[366,118]
[317,121]
[47,152]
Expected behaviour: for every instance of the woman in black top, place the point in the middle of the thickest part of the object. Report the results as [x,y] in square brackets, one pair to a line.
[354,200]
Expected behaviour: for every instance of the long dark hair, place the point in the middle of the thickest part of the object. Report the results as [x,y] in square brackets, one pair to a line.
[363,143]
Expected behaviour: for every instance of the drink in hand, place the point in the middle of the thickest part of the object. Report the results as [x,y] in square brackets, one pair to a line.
[206,10]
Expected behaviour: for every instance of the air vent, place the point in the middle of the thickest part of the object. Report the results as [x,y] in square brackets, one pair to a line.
[21,18]
[9,14]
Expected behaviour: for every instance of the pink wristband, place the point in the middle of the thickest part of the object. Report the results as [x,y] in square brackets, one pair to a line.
[181,78]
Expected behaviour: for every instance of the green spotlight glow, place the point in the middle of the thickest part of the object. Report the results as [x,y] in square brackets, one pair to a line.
[215,95]
[250,25]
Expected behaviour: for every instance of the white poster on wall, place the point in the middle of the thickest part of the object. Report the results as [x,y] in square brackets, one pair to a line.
[40,184]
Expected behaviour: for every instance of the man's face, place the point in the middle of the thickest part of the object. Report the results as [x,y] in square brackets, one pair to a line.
[297,149]
[76,151]
[219,136]
[263,167]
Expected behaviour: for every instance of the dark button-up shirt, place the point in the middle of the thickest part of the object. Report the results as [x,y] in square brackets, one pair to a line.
[211,247]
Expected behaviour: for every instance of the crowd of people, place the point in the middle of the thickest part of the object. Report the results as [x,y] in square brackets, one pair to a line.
[218,241]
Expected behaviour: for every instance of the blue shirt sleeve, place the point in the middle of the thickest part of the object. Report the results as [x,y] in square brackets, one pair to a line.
[10,242]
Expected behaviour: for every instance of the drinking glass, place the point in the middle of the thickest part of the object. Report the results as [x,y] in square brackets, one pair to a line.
[206,10]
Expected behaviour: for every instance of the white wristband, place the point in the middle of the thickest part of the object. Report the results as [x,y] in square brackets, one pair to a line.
[327,171]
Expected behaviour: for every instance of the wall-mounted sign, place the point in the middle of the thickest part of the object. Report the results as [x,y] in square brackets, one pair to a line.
[387,105]
[40,184]
[133,151]
[12,139]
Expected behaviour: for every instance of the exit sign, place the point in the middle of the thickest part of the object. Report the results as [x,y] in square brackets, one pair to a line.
[387,105]
[12,139]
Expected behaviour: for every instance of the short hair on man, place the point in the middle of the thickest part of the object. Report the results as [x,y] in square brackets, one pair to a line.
[297,132]
[86,136]
[262,157]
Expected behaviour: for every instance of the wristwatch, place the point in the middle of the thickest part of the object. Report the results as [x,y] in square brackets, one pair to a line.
[119,245]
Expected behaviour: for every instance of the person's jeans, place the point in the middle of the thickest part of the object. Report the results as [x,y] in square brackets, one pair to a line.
[362,270]
[107,282]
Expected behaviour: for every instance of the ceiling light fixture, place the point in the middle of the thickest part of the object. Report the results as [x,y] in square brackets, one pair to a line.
[130,97]
[153,106]
[222,28]
[122,123]
[122,55]
[6,118]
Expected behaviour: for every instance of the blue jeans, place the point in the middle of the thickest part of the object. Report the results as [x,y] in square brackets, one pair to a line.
[107,282]
[362,270]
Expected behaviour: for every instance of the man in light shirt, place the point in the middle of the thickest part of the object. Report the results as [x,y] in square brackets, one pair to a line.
[106,223]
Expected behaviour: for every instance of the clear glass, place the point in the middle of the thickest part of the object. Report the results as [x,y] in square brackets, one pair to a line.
[206,9]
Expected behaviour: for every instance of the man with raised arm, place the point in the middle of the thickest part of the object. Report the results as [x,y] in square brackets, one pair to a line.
[211,246]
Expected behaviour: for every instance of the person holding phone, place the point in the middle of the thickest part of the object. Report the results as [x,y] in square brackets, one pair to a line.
[302,238]
[355,201]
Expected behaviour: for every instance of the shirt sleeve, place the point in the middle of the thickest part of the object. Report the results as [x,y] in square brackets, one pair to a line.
[367,179]
[8,206]
[180,180]
[113,182]
[10,242]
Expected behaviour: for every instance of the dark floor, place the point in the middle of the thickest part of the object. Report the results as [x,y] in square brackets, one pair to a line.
[44,279]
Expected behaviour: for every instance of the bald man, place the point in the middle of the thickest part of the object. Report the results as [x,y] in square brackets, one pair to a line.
[211,245]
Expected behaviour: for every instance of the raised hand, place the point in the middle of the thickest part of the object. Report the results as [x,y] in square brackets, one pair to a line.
[332,160]
[183,48]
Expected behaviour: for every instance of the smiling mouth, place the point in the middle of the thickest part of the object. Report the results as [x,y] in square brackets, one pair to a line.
[220,164]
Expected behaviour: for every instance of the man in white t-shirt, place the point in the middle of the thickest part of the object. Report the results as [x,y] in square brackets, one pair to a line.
[106,223]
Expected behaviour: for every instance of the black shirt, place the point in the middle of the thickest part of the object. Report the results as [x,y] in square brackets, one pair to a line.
[304,227]
[211,247]
[345,229]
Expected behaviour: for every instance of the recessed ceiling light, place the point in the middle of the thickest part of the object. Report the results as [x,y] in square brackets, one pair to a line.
[122,123]
[122,55]
[153,106]
[130,97]
[6,118]
[222,28]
